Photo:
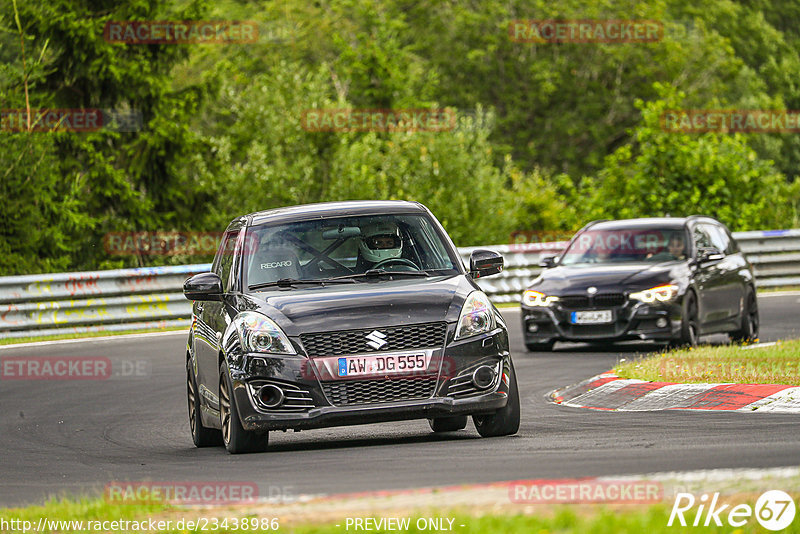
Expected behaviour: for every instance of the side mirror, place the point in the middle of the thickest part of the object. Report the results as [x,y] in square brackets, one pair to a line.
[547,261]
[203,286]
[484,263]
[709,255]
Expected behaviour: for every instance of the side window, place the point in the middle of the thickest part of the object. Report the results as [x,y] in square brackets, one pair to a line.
[719,237]
[732,247]
[701,238]
[224,260]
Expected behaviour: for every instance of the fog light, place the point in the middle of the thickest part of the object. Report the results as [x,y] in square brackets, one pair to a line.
[661,322]
[483,377]
[533,327]
[271,396]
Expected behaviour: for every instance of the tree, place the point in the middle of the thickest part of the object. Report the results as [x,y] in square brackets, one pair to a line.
[665,173]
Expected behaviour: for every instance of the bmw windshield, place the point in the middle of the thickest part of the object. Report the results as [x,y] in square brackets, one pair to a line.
[628,245]
[344,247]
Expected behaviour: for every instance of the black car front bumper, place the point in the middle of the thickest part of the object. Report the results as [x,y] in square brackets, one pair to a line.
[450,393]
[631,320]
[326,416]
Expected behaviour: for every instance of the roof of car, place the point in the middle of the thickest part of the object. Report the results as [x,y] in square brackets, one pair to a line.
[324,210]
[647,222]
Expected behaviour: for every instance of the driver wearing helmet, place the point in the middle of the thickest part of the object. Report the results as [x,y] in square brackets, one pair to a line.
[380,242]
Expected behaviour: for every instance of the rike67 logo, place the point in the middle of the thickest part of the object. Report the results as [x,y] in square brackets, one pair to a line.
[774,510]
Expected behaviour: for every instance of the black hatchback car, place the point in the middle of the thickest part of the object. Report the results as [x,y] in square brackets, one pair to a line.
[339,314]
[663,279]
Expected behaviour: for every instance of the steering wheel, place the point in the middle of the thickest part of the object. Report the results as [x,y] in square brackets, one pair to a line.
[401,261]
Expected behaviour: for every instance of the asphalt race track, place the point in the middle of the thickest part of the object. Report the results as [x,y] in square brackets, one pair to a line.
[73,437]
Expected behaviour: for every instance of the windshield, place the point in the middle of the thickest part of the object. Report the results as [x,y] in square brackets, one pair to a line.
[626,246]
[347,246]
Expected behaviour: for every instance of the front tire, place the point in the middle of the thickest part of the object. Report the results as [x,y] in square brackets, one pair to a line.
[236,439]
[748,333]
[504,421]
[448,424]
[201,436]
[689,323]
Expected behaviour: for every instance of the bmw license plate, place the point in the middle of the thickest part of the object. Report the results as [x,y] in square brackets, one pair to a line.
[386,364]
[592,317]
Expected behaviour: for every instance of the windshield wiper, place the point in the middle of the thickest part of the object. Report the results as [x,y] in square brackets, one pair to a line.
[290,282]
[374,273]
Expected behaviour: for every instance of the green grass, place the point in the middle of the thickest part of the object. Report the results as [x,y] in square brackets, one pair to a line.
[539,519]
[32,339]
[778,289]
[752,364]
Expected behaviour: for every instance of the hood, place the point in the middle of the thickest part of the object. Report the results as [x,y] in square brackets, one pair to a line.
[371,304]
[614,278]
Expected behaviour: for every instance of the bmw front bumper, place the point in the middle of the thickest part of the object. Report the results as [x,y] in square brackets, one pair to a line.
[632,320]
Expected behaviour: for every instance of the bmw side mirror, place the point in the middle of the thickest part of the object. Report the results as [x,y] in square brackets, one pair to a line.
[547,261]
[203,286]
[709,255]
[484,263]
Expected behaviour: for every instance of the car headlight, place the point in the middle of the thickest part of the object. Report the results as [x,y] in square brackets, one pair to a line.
[477,316]
[659,293]
[536,298]
[259,333]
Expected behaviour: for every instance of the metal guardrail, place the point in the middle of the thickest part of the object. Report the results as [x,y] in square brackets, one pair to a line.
[137,299]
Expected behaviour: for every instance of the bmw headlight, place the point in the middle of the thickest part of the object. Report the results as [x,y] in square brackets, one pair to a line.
[477,316]
[663,293]
[536,298]
[259,333]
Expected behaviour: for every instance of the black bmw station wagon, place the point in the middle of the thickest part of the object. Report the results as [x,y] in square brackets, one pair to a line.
[344,313]
[664,279]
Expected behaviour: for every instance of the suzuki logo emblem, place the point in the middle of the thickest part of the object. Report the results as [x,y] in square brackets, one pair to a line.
[376,339]
[592,290]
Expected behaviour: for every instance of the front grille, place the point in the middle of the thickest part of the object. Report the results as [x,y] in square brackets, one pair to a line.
[414,336]
[609,299]
[579,302]
[589,331]
[574,301]
[350,392]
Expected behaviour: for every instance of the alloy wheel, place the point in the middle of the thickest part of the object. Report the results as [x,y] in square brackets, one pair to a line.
[225,409]
[191,395]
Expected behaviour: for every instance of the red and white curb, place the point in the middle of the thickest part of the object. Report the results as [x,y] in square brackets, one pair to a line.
[609,392]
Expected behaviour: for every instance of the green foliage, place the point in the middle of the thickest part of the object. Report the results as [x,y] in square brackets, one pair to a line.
[565,132]
[662,173]
[450,172]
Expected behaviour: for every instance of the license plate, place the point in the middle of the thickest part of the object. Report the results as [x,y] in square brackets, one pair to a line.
[592,317]
[387,364]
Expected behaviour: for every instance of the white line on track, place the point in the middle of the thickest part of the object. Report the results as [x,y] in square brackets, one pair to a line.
[97,338]
[779,294]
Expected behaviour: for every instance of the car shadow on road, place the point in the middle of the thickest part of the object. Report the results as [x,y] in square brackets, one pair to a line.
[366,441]
[629,346]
